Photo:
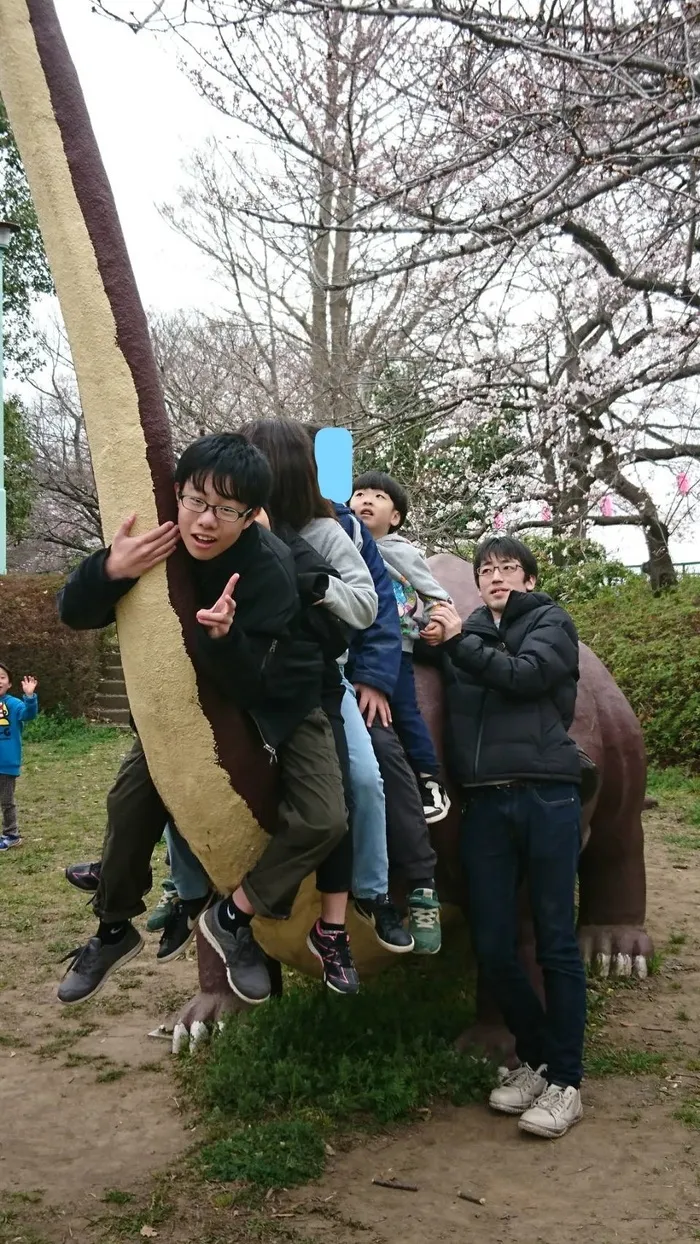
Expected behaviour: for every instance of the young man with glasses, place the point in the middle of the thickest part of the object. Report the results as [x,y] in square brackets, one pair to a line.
[251,642]
[511,672]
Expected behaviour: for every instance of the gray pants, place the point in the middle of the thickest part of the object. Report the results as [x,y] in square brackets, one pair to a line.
[8,805]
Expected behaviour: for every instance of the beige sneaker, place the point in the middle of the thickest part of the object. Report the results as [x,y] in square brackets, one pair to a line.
[553,1113]
[518,1089]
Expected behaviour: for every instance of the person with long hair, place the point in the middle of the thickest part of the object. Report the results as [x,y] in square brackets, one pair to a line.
[296,502]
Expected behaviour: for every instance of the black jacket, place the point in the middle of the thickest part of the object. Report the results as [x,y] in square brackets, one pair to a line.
[511,693]
[275,659]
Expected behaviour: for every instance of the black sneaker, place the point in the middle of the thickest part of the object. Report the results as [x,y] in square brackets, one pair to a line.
[246,967]
[386,921]
[435,799]
[180,928]
[86,877]
[93,964]
[333,951]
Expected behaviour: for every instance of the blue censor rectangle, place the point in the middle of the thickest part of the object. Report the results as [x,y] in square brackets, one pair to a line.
[333,450]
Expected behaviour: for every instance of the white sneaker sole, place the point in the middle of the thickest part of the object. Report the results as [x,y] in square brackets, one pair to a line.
[548,1133]
[209,937]
[512,1110]
[110,972]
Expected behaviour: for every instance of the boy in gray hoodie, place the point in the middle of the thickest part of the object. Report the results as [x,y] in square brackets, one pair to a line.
[382,504]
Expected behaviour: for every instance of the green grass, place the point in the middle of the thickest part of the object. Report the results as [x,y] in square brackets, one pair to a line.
[115,1196]
[71,734]
[608,1060]
[310,1055]
[310,1063]
[273,1155]
[689,1113]
[679,792]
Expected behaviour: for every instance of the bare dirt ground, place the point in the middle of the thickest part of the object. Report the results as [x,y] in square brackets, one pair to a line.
[90,1117]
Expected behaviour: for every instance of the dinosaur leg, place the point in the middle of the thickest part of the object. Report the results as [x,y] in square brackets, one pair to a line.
[612,895]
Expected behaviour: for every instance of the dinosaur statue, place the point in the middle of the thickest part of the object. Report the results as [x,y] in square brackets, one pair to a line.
[203,759]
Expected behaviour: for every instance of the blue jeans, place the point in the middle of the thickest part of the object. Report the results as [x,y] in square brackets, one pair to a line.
[189,878]
[529,832]
[370,861]
[408,723]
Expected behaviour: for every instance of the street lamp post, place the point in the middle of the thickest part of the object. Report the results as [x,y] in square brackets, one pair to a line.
[6,231]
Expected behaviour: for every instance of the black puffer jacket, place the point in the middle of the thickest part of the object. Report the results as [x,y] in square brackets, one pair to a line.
[511,694]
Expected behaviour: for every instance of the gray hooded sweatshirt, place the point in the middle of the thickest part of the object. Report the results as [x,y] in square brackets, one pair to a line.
[413,582]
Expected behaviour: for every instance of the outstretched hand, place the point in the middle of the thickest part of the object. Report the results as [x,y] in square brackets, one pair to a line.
[218,619]
[131,556]
[29,684]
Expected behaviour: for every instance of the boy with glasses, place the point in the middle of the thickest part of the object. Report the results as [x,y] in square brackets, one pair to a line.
[252,644]
[511,672]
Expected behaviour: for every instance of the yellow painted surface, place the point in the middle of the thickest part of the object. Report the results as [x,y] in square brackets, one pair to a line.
[160,680]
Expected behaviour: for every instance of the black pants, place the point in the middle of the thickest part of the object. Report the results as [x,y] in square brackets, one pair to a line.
[411,855]
[408,722]
[334,875]
[530,831]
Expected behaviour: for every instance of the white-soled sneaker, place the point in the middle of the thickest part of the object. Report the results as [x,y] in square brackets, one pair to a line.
[518,1089]
[554,1112]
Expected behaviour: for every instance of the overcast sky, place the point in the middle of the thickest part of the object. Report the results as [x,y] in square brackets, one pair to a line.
[147,119]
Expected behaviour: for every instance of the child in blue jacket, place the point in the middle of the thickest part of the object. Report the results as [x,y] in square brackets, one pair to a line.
[13,714]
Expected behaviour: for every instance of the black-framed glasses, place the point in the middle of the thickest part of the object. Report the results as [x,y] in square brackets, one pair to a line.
[506,569]
[227,513]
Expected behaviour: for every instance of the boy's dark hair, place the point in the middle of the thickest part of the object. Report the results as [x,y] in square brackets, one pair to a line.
[7,670]
[236,468]
[386,483]
[506,548]
[295,497]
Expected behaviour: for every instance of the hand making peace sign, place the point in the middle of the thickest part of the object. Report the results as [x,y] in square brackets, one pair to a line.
[218,619]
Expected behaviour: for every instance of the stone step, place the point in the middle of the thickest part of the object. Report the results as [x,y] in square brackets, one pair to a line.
[112,669]
[104,702]
[112,686]
[113,716]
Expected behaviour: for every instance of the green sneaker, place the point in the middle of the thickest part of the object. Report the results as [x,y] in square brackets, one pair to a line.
[160,914]
[424,921]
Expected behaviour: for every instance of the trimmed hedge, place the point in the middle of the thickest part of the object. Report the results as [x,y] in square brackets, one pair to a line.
[34,641]
[651,645]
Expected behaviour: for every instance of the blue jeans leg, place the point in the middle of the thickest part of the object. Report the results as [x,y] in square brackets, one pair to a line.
[554,815]
[408,722]
[491,842]
[370,861]
[188,876]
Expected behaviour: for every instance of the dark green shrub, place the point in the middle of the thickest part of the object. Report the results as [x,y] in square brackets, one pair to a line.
[34,641]
[651,645]
[573,569]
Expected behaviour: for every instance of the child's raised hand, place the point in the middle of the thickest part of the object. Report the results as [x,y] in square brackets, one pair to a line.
[29,684]
[218,619]
[131,556]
